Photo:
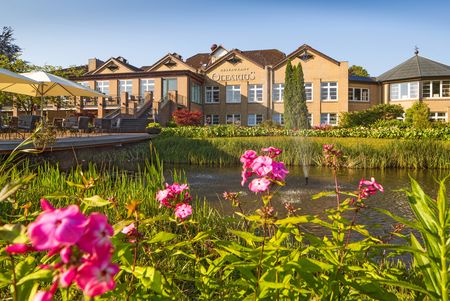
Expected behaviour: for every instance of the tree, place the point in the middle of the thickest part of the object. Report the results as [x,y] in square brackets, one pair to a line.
[418,115]
[295,109]
[186,117]
[358,71]
[7,47]
[370,116]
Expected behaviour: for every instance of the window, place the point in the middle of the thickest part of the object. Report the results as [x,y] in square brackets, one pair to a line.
[328,118]
[255,93]
[211,119]
[310,119]
[212,94]
[103,86]
[196,94]
[436,89]
[234,119]
[438,116]
[278,118]
[328,91]
[277,92]
[147,85]
[233,94]
[308,91]
[84,84]
[404,91]
[125,86]
[358,94]
[254,119]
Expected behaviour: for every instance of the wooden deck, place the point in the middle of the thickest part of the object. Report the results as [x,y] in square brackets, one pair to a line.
[74,143]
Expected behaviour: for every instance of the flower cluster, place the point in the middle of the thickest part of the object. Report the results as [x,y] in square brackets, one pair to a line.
[368,188]
[264,167]
[83,244]
[331,155]
[177,197]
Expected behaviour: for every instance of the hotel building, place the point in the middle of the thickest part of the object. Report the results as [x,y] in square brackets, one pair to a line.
[246,87]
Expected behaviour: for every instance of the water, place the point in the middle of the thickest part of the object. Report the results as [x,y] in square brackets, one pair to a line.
[211,182]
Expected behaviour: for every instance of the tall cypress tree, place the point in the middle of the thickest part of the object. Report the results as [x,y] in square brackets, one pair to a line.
[289,117]
[301,109]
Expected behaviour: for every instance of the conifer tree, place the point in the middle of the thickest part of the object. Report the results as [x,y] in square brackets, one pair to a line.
[289,116]
[295,109]
[301,109]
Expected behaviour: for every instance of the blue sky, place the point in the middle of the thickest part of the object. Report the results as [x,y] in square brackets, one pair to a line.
[375,34]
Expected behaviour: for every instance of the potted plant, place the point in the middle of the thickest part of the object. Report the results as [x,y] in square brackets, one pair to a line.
[153,128]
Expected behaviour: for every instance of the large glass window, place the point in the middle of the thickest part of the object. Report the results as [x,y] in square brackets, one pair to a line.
[309,91]
[404,91]
[147,85]
[234,119]
[126,86]
[328,118]
[438,116]
[255,93]
[254,119]
[212,119]
[328,91]
[277,92]
[212,94]
[196,94]
[169,84]
[278,118]
[103,86]
[358,94]
[436,89]
[233,94]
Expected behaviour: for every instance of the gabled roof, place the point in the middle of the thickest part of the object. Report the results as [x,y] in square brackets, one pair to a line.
[415,67]
[116,60]
[198,60]
[168,57]
[265,57]
[356,78]
[302,49]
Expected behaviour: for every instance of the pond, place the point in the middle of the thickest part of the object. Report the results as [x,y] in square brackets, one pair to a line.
[211,182]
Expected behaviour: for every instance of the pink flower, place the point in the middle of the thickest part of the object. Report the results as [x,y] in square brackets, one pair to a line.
[53,228]
[96,277]
[97,237]
[177,188]
[18,248]
[65,254]
[272,151]
[279,172]
[247,158]
[67,277]
[368,188]
[245,175]
[46,206]
[129,229]
[183,210]
[259,185]
[43,296]
[163,197]
[262,165]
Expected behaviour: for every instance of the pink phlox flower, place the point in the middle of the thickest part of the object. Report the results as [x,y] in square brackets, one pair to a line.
[97,237]
[45,205]
[18,249]
[164,196]
[67,277]
[259,185]
[96,277]
[177,188]
[272,151]
[183,210]
[279,172]
[43,296]
[245,175]
[368,188]
[247,158]
[58,227]
[65,254]
[129,229]
[262,165]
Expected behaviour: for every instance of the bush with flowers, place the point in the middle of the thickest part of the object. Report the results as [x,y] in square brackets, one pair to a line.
[168,247]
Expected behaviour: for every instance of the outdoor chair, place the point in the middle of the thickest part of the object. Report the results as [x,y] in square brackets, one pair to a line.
[102,125]
[27,123]
[82,124]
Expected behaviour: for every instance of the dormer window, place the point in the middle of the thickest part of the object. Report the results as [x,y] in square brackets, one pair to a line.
[112,67]
[234,60]
[170,63]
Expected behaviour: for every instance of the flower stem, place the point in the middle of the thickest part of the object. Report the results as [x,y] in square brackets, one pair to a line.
[14,278]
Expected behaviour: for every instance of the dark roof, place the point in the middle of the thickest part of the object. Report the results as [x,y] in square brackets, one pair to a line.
[198,60]
[266,56]
[415,67]
[365,79]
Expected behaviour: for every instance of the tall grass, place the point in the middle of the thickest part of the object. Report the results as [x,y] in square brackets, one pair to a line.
[359,152]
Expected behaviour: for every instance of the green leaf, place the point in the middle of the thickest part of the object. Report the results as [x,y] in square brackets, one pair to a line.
[72,184]
[161,237]
[13,233]
[323,194]
[37,275]
[248,237]
[13,186]
[95,201]
[296,220]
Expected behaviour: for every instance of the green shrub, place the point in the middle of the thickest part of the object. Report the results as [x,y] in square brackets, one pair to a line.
[382,123]
[418,115]
[370,116]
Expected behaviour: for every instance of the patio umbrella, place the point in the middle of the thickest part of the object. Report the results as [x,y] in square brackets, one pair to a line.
[8,78]
[46,84]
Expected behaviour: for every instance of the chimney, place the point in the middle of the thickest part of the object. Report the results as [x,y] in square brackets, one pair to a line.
[93,64]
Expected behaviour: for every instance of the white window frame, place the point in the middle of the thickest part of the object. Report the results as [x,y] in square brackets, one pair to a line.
[234,118]
[278,118]
[233,90]
[126,85]
[214,118]
[434,117]
[441,89]
[327,122]
[209,94]
[310,119]
[254,120]
[399,89]
[352,94]
[102,85]
[253,91]
[146,85]
[309,86]
[280,92]
[327,86]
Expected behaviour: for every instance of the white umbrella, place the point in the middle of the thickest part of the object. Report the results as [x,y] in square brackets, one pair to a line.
[9,78]
[46,84]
